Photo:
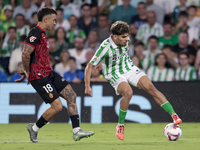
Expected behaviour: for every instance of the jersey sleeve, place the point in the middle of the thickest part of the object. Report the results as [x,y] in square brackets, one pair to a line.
[99,55]
[33,38]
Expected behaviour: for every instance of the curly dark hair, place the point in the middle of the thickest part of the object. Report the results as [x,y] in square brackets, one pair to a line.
[119,28]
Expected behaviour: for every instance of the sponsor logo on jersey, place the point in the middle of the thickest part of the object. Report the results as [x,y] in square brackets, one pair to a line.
[50,95]
[117,58]
[32,38]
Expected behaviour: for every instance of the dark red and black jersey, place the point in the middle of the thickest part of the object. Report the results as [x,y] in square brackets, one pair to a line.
[39,63]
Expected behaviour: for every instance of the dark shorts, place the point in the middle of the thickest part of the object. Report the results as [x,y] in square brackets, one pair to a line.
[50,86]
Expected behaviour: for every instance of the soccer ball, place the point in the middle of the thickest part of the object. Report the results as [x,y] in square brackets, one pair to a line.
[172,132]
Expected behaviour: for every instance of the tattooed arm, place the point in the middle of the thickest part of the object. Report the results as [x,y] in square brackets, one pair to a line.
[26,62]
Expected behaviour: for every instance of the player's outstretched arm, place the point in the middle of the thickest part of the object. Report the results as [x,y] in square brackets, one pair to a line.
[26,61]
[88,69]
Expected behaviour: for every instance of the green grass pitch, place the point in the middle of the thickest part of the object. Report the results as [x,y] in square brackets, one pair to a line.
[58,136]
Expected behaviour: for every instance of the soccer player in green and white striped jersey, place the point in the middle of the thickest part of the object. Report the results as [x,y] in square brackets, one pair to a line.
[160,71]
[185,72]
[120,71]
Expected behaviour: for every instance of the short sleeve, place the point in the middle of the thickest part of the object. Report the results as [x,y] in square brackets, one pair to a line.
[33,38]
[99,55]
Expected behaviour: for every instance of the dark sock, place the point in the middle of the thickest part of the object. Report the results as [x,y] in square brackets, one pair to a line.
[41,122]
[75,121]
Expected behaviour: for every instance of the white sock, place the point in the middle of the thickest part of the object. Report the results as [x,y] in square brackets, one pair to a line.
[75,130]
[35,128]
[120,124]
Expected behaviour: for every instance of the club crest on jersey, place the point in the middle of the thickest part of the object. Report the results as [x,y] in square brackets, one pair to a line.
[50,95]
[95,58]
[32,38]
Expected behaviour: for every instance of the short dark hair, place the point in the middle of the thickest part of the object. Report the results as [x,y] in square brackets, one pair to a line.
[34,13]
[22,38]
[119,28]
[167,46]
[44,12]
[139,44]
[72,16]
[166,23]
[183,13]
[59,9]
[10,28]
[142,3]
[183,53]
[52,37]
[20,15]
[103,15]
[86,4]
[153,37]
[192,6]
[72,58]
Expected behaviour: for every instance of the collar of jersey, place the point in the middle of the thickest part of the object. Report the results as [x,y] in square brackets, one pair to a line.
[111,41]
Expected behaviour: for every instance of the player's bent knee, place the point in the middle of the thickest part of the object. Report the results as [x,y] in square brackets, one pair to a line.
[59,108]
[128,94]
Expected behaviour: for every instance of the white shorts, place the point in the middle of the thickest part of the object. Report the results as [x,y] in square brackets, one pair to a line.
[132,77]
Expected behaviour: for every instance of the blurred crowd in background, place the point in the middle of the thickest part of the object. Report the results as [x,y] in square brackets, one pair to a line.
[164,36]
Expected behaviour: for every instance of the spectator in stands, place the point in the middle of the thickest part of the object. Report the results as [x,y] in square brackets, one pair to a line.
[89,54]
[107,6]
[197,60]
[52,61]
[160,13]
[34,19]
[26,9]
[61,44]
[140,18]
[182,26]
[139,50]
[63,66]
[16,76]
[177,10]
[103,28]
[74,31]
[79,53]
[92,40]
[8,46]
[123,12]
[150,28]
[61,22]
[193,20]
[87,22]
[9,22]
[161,71]
[73,75]
[173,60]
[94,11]
[3,77]
[96,76]
[136,61]
[38,3]
[69,9]
[48,3]
[2,15]
[152,51]
[53,51]
[22,29]
[16,55]
[184,46]
[185,72]
[130,46]
[168,38]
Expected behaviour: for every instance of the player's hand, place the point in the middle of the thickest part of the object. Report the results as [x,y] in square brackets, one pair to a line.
[88,91]
[99,67]
[23,76]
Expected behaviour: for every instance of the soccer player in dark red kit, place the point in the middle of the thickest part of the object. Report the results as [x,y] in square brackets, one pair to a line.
[46,82]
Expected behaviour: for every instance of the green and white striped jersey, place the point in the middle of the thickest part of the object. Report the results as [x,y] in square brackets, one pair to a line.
[155,74]
[149,59]
[189,74]
[145,32]
[114,59]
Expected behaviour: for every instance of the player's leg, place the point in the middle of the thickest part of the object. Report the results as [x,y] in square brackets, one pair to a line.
[145,84]
[125,90]
[70,96]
